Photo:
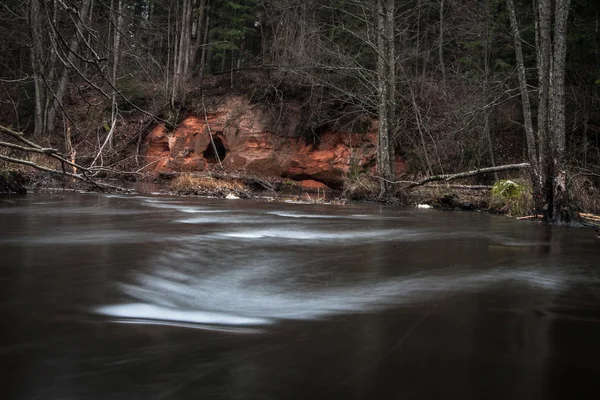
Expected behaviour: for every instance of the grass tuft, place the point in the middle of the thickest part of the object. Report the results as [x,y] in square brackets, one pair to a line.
[192,184]
[514,197]
[361,187]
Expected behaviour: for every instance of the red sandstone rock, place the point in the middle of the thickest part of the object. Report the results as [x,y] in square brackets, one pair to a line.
[246,144]
[309,184]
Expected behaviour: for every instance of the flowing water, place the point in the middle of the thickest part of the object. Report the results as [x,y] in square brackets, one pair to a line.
[147,297]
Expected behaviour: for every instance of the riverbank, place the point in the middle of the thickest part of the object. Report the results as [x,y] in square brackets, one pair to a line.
[476,198]
[219,185]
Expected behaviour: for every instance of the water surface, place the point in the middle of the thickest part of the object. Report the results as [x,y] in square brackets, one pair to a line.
[147,297]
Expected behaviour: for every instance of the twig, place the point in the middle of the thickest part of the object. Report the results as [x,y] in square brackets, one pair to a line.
[149,164]
[110,133]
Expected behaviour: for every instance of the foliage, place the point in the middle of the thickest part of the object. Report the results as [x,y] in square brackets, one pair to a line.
[235,21]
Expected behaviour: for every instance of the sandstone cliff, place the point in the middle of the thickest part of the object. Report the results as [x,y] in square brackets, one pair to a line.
[245,144]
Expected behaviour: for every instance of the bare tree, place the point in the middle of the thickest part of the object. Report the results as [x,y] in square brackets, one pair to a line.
[186,51]
[547,147]
[68,61]
[386,92]
[560,205]
[117,20]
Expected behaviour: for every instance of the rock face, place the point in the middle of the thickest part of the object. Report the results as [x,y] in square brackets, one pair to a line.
[242,142]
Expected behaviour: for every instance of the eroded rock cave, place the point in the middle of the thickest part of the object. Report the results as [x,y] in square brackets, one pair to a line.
[209,152]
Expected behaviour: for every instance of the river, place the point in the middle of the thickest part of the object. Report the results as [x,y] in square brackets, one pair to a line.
[153,297]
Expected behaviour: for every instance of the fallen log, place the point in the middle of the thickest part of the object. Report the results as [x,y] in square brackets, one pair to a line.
[449,177]
[462,187]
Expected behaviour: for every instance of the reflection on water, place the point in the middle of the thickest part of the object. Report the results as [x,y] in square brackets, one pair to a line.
[155,297]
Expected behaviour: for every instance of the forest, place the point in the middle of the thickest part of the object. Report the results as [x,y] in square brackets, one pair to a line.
[451,86]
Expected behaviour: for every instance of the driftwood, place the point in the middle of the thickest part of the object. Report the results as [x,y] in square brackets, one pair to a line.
[449,177]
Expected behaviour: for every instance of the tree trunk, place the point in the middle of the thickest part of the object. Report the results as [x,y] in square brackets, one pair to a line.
[37,66]
[561,209]
[486,71]
[543,183]
[199,30]
[383,149]
[182,56]
[391,82]
[549,172]
[115,66]
[441,44]
[534,147]
[529,134]
[61,88]
[204,47]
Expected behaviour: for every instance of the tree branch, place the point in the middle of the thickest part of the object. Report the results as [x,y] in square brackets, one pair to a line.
[53,153]
[35,148]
